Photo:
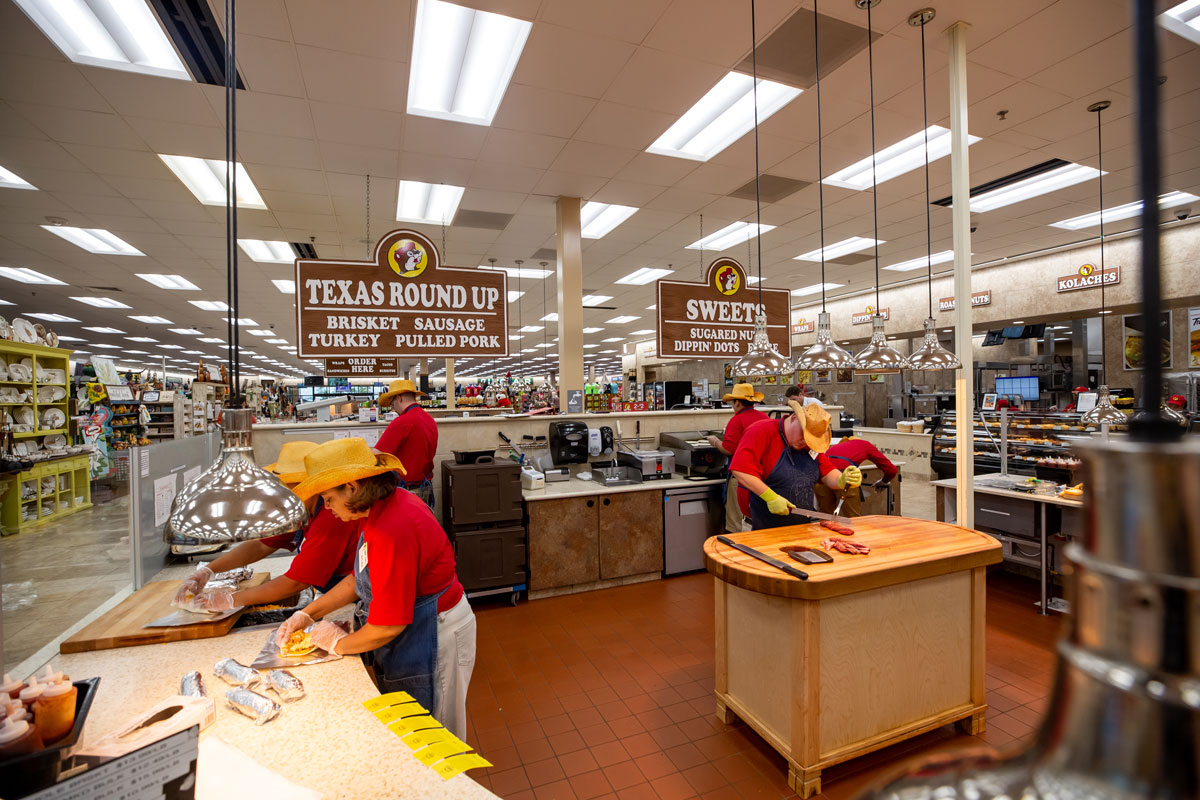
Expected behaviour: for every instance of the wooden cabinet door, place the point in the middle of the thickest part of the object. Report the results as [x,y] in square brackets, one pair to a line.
[631,533]
[563,546]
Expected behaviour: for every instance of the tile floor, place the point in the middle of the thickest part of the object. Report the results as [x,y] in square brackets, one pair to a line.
[609,694]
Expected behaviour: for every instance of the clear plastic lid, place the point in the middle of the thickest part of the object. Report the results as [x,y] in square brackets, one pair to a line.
[50,675]
[12,729]
[58,688]
[33,691]
[9,685]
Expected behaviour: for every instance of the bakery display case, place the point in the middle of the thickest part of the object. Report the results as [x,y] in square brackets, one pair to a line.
[1026,442]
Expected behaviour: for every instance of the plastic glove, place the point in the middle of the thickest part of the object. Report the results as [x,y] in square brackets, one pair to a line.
[851,477]
[216,600]
[193,585]
[326,635]
[296,622]
[776,504]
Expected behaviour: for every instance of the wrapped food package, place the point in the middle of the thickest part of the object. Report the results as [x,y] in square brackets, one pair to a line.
[229,579]
[236,674]
[192,685]
[285,684]
[257,707]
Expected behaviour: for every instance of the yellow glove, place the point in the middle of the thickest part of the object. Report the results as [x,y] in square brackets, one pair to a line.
[776,504]
[851,477]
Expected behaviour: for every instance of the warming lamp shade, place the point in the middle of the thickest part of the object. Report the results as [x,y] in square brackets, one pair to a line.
[762,359]
[825,353]
[930,354]
[878,355]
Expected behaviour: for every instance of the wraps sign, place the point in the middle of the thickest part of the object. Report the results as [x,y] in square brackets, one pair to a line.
[362,367]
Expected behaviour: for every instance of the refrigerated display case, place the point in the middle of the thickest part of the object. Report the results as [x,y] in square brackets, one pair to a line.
[1036,443]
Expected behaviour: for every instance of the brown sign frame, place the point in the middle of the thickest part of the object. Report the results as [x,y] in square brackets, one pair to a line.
[978,299]
[386,367]
[1090,279]
[864,317]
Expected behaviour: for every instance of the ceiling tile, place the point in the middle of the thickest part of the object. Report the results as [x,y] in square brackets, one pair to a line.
[352,79]
[570,61]
[544,111]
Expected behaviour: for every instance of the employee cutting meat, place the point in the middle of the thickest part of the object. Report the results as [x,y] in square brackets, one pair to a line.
[324,552]
[854,451]
[413,625]
[780,462]
[411,437]
[742,398]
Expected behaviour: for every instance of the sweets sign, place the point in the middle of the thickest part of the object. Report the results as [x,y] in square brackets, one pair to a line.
[715,319]
[404,303]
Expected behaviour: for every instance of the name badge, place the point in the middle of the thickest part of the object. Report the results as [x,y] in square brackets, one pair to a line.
[362,557]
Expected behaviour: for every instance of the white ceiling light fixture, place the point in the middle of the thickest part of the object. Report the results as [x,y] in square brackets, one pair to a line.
[733,234]
[598,219]
[169,346]
[117,34]
[721,117]
[640,277]
[187,331]
[175,283]
[838,249]
[551,317]
[590,346]
[50,317]
[1169,200]
[1035,186]
[531,328]
[205,178]
[904,156]
[95,240]
[26,275]
[593,300]
[284,285]
[513,294]
[1183,20]
[642,332]
[130,352]
[652,308]
[212,340]
[140,339]
[592,330]
[101,302]
[103,346]
[152,320]
[614,339]
[922,262]
[277,341]
[427,203]
[100,329]
[210,305]
[520,272]
[11,180]
[621,320]
[262,332]
[267,252]
[462,61]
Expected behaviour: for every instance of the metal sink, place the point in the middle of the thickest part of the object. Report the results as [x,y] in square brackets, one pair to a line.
[620,475]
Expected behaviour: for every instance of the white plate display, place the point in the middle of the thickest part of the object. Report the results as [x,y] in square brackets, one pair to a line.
[52,376]
[52,394]
[8,394]
[24,416]
[24,331]
[53,418]
[20,372]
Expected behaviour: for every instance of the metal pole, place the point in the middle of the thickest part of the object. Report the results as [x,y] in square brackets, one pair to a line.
[960,177]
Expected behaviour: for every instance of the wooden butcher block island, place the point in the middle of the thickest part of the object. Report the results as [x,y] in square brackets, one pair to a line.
[869,651]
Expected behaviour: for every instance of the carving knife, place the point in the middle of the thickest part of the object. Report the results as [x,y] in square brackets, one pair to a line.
[774,562]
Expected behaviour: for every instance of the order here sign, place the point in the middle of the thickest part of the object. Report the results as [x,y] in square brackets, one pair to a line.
[715,319]
[404,303]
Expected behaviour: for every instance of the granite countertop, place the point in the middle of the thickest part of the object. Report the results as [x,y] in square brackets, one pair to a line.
[326,741]
[576,487]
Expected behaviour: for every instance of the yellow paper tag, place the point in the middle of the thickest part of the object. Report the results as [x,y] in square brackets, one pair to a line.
[449,767]
[418,739]
[392,713]
[410,724]
[436,752]
[385,700]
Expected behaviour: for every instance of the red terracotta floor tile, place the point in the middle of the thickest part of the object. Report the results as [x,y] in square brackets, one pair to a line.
[578,762]
[535,750]
[640,744]
[626,726]
[623,774]
[508,781]
[545,771]
[641,791]
[673,787]
[559,790]
[556,725]
[656,765]
[610,753]
[669,736]
[567,742]
[685,756]
[704,778]
[590,784]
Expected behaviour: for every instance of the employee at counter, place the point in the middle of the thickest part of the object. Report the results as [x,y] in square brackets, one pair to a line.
[854,451]
[779,462]
[411,437]
[413,625]
[325,551]
[742,398]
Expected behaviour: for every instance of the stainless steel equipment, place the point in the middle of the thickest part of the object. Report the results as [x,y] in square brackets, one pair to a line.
[690,516]
[693,453]
[616,476]
[651,464]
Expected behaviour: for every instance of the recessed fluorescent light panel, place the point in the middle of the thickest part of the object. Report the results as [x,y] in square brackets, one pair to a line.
[592,300]
[140,339]
[101,302]
[1035,186]
[101,329]
[1183,19]
[513,295]
[551,317]
[10,180]
[839,249]
[904,156]
[107,346]
[428,203]
[71,338]
[25,275]
[52,317]
[262,332]
[642,332]
[277,341]
[462,61]
[520,272]
[210,305]
[242,321]
[212,340]
[592,330]
[95,240]
[205,178]
[268,252]
[923,262]
[640,277]
[284,285]
[118,34]
[724,115]
[816,287]
[187,331]
[151,320]
[622,320]
[531,328]
[597,219]
[730,235]
[171,282]
[1170,200]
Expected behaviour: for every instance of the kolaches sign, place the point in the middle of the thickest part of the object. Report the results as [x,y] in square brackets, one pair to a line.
[715,319]
[404,303]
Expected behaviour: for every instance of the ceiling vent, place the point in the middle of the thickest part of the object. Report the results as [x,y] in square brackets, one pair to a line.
[487,220]
[1019,175]
[304,250]
[198,38]
[773,188]
[786,55]
[109,289]
[545,254]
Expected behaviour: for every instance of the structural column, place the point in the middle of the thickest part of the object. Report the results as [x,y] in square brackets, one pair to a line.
[570,299]
[960,181]
[449,384]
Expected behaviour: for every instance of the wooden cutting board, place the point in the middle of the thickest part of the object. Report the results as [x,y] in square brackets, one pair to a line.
[124,625]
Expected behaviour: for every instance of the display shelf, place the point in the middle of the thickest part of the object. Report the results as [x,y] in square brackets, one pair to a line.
[1051,452]
[72,492]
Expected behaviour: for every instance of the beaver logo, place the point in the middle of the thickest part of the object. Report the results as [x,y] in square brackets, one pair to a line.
[407,258]
[1087,269]
[727,280]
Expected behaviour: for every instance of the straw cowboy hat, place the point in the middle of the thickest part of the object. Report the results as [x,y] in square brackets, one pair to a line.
[815,420]
[398,388]
[744,392]
[340,461]
[289,467]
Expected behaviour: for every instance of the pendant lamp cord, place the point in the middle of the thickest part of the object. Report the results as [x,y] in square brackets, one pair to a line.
[1103,306]
[928,212]
[369,248]
[231,215]
[820,168]
[874,183]
[757,198]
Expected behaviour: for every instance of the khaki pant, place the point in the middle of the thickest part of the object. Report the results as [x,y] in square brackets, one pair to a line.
[733,514]
[827,500]
[455,663]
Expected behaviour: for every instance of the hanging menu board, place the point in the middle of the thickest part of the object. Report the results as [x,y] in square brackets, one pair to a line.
[404,303]
[715,319]
[362,367]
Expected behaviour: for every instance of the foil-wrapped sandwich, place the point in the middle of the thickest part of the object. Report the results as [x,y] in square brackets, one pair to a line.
[192,685]
[236,674]
[285,684]
[257,707]
[228,579]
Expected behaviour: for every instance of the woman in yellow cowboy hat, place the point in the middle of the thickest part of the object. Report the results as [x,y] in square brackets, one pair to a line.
[412,624]
[779,462]
[411,437]
[325,554]
[742,398]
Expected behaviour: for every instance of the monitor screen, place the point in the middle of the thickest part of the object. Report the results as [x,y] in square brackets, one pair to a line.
[1026,386]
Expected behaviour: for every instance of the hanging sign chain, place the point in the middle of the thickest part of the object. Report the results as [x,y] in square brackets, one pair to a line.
[368,216]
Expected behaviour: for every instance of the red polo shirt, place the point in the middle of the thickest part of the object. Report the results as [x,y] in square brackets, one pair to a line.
[326,550]
[737,425]
[856,451]
[412,437]
[761,447]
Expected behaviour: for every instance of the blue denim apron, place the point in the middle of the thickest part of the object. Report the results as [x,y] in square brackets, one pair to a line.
[408,662]
[793,477]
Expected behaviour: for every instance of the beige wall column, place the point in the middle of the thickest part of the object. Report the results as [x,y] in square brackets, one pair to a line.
[570,299]
[960,181]
[449,384]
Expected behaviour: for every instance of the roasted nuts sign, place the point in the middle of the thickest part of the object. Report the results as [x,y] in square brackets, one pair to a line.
[1088,277]
[404,303]
[983,298]
[715,319]
[362,367]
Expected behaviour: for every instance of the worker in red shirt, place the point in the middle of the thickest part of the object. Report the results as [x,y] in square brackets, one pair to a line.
[411,437]
[742,398]
[853,450]
[780,462]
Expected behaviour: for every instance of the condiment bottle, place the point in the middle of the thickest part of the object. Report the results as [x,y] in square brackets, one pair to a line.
[54,711]
[32,691]
[11,687]
[18,738]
